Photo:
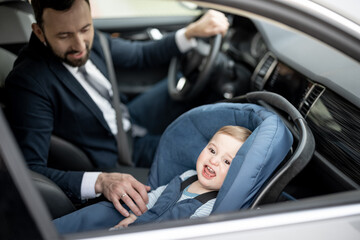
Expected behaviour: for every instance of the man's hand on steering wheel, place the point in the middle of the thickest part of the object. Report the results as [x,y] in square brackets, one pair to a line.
[189,74]
[210,24]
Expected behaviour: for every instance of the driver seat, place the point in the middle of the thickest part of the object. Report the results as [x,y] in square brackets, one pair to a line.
[56,200]
[15,35]
[63,155]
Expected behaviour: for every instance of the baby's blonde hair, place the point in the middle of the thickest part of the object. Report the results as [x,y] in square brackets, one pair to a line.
[239,133]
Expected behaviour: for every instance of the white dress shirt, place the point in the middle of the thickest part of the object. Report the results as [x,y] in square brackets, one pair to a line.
[89,178]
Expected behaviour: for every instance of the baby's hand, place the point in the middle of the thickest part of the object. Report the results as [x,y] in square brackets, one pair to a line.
[125,222]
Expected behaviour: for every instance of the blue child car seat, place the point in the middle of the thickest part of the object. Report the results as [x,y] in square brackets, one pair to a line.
[254,163]
[254,177]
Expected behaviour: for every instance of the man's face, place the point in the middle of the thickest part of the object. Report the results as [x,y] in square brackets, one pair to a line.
[214,161]
[68,33]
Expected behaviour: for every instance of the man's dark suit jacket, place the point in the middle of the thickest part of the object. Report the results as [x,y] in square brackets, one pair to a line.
[44,98]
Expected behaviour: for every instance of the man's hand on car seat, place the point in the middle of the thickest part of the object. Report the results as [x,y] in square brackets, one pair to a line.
[119,186]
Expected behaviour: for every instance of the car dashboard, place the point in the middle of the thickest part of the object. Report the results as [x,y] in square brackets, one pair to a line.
[319,82]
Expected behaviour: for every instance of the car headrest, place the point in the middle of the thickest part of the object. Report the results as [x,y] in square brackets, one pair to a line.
[17,17]
[252,166]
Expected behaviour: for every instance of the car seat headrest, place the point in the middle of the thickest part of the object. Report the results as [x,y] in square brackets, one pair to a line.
[17,17]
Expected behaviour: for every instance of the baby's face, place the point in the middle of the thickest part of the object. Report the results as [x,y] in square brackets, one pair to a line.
[214,161]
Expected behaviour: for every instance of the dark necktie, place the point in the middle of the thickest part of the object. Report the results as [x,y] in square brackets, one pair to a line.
[102,90]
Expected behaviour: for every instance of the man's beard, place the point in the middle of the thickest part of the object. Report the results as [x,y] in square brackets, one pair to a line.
[64,58]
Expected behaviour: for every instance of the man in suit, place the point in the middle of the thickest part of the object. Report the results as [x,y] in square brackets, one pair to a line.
[48,94]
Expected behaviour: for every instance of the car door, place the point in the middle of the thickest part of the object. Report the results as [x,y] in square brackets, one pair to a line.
[140,20]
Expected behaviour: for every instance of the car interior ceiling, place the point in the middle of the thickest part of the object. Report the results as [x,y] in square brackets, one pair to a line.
[300,187]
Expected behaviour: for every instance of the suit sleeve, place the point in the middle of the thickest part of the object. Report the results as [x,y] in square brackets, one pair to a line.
[31,117]
[142,54]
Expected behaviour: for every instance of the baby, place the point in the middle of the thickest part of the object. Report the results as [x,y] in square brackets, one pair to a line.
[193,194]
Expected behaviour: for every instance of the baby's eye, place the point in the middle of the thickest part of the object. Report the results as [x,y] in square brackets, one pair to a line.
[212,151]
[227,162]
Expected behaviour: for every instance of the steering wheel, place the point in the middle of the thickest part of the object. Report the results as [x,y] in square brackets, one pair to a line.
[190,73]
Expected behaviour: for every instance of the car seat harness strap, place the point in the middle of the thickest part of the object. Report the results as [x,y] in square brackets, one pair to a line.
[203,198]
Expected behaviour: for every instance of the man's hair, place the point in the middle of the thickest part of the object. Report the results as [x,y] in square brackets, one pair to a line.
[239,133]
[58,5]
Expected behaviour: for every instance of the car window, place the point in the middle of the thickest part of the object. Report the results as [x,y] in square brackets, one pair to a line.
[139,8]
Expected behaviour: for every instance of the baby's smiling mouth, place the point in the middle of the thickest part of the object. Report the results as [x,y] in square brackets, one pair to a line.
[208,172]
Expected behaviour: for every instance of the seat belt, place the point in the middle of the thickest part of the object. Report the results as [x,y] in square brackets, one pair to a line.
[203,198]
[122,140]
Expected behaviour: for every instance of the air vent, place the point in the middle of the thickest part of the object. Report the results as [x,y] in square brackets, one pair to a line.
[262,71]
[310,98]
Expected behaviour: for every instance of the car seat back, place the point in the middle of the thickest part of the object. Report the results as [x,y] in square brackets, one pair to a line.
[7,60]
[252,166]
[16,18]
